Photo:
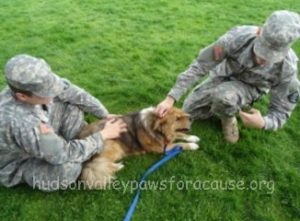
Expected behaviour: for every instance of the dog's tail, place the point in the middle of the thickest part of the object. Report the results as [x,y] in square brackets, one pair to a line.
[99,173]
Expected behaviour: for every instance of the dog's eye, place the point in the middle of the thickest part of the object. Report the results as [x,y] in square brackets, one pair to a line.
[177,118]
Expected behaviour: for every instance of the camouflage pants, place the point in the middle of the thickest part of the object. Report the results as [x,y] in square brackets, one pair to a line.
[66,120]
[220,97]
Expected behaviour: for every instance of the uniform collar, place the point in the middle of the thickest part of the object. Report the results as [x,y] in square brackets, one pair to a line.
[36,110]
[246,58]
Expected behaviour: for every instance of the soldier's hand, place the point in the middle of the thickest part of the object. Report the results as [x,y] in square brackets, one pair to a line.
[111,116]
[113,128]
[163,107]
[252,119]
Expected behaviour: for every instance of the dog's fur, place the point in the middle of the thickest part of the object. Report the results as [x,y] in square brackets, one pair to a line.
[145,133]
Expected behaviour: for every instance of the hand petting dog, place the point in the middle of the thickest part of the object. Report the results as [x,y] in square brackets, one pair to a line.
[133,134]
[113,129]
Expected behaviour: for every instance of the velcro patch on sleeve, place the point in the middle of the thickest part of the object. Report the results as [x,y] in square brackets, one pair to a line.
[218,52]
[45,129]
[293,97]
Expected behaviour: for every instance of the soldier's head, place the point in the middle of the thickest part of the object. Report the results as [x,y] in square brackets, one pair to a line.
[277,35]
[31,79]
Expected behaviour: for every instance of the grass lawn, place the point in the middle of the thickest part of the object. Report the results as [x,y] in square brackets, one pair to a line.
[128,53]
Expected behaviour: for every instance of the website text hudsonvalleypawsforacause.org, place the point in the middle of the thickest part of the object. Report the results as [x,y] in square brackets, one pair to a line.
[172,183]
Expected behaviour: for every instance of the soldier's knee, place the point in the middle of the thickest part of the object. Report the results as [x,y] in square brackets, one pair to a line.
[70,171]
[54,177]
[72,122]
[196,109]
[225,103]
[189,106]
[186,106]
[189,111]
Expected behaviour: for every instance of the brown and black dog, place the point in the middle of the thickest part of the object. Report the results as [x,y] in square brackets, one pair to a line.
[146,132]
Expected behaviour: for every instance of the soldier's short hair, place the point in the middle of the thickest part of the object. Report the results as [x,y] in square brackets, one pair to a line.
[16,90]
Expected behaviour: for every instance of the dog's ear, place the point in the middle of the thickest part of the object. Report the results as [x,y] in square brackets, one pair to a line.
[165,127]
[157,124]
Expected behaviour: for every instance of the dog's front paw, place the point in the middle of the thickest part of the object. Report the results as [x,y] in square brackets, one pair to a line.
[193,146]
[193,139]
[119,166]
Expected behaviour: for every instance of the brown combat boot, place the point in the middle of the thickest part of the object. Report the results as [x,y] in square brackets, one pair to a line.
[230,129]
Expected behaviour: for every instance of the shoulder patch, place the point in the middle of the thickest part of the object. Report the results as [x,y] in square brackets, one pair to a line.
[218,52]
[45,129]
[293,97]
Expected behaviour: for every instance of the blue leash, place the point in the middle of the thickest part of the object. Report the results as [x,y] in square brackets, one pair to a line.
[168,156]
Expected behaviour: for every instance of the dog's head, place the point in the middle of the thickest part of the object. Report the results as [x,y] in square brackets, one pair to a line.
[176,120]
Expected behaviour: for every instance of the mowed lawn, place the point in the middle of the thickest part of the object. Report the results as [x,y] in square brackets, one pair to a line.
[128,53]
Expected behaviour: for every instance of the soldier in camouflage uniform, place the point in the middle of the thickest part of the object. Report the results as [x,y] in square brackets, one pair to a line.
[40,116]
[244,64]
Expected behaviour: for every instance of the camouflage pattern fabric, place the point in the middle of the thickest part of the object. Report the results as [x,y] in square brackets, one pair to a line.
[231,59]
[220,97]
[38,143]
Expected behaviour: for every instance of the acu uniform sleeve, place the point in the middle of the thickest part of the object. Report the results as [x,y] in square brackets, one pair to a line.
[284,98]
[85,101]
[283,101]
[53,148]
[207,59]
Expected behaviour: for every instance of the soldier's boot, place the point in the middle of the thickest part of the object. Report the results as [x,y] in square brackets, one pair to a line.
[230,129]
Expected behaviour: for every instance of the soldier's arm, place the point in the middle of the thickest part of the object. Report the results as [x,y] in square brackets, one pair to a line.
[207,59]
[284,98]
[47,145]
[85,101]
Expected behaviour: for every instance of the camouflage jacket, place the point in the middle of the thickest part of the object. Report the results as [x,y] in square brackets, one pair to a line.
[21,138]
[232,56]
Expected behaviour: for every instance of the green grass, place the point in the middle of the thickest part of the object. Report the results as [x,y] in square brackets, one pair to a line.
[128,53]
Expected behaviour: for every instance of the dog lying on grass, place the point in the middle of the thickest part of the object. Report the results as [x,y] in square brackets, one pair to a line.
[146,132]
